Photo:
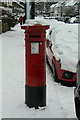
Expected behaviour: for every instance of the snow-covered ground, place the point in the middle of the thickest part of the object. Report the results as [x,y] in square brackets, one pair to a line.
[60,99]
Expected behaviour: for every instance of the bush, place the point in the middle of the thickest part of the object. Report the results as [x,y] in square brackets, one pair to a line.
[5,27]
[7,23]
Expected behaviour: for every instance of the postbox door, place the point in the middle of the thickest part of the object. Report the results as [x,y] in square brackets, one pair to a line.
[35,67]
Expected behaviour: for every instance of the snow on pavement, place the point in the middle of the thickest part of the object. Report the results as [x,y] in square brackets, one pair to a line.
[60,99]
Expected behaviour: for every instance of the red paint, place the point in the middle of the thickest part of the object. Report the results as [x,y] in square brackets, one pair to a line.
[35,63]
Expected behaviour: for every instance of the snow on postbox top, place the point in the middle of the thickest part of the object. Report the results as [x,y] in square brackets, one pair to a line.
[35,32]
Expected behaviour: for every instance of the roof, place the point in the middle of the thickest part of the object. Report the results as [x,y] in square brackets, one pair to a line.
[56,5]
[52,6]
[71,3]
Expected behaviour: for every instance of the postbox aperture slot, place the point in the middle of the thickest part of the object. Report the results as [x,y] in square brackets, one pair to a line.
[34,36]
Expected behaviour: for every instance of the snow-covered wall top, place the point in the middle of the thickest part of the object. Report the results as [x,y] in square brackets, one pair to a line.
[6,9]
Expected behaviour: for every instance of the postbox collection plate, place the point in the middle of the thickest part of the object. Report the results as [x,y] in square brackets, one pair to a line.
[34,48]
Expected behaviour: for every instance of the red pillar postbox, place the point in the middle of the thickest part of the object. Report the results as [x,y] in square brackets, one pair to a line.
[35,87]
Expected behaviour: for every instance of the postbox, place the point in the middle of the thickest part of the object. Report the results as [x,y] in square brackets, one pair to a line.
[35,62]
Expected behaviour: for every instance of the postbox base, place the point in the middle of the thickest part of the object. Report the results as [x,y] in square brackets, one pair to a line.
[35,96]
